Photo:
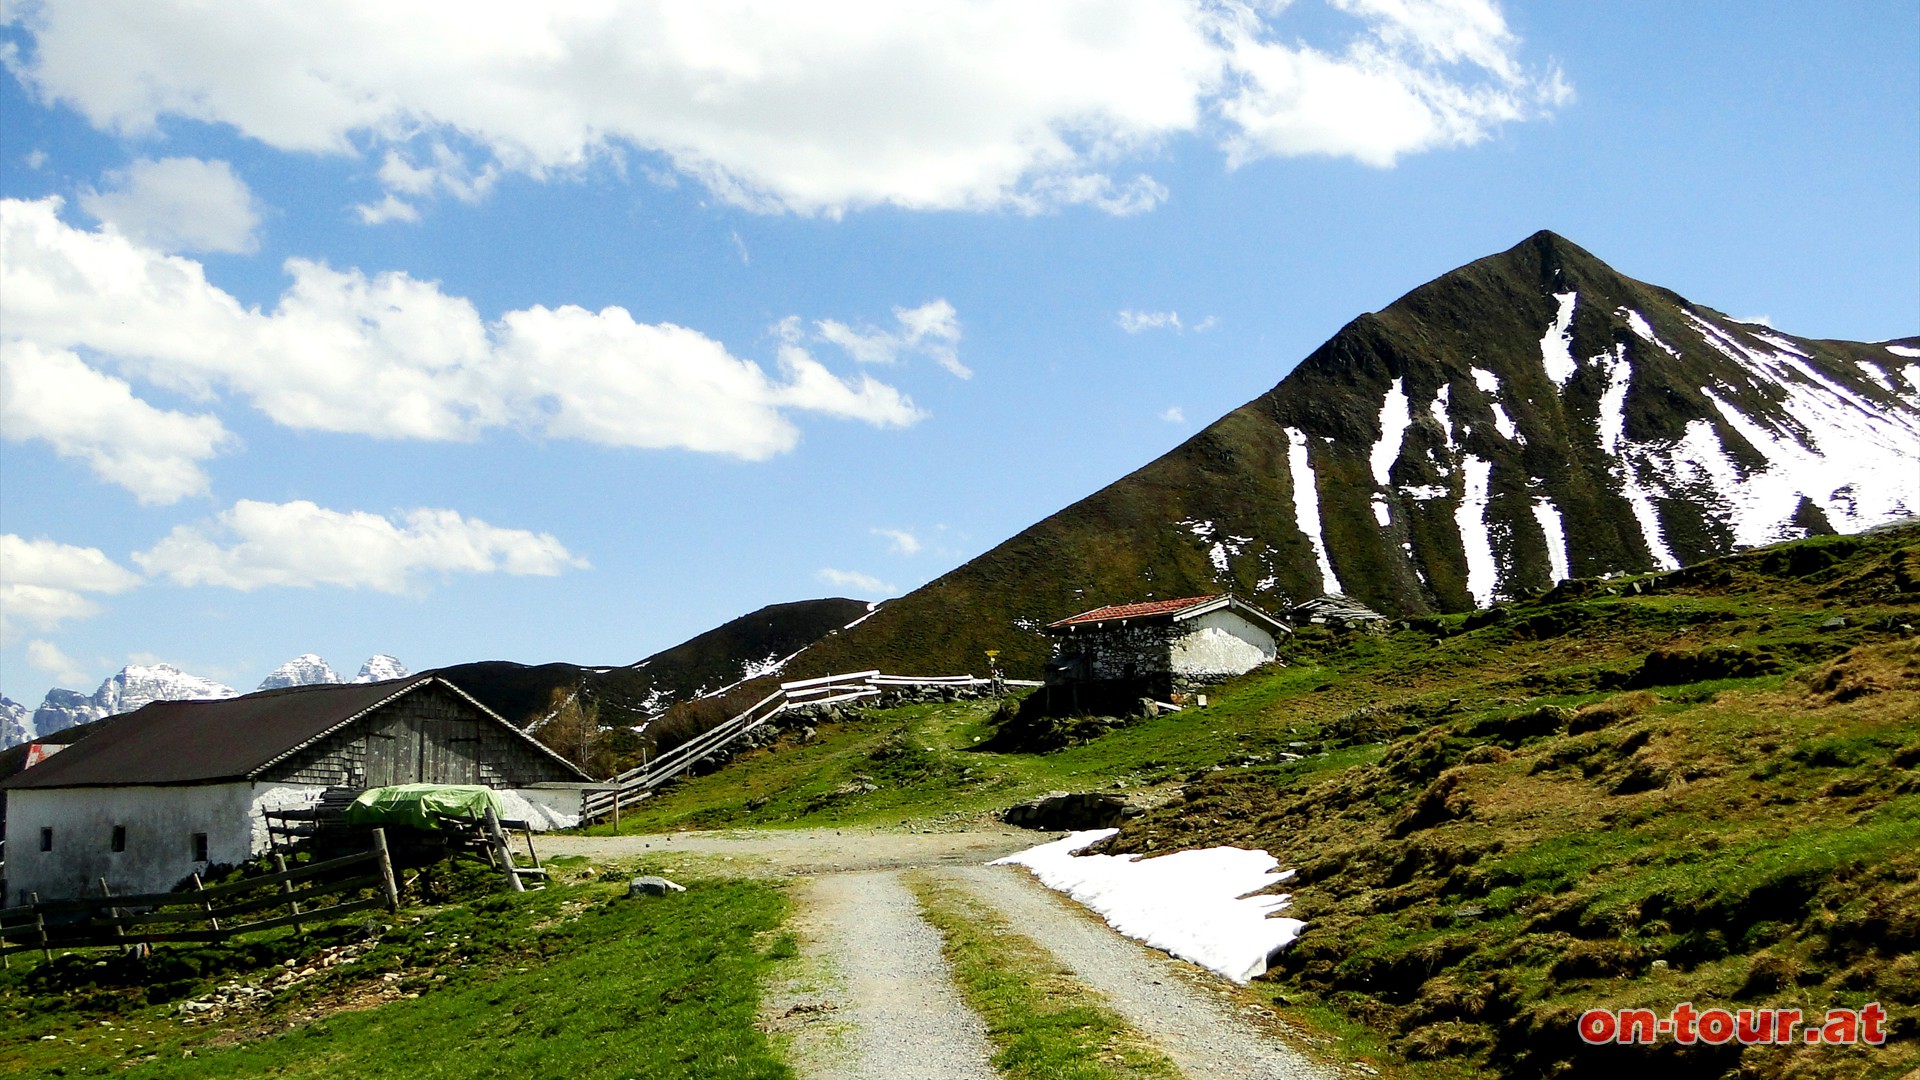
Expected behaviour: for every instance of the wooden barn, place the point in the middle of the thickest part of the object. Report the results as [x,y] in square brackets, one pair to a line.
[149,797]
[1157,648]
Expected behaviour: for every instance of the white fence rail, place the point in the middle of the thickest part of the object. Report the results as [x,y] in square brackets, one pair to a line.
[639,782]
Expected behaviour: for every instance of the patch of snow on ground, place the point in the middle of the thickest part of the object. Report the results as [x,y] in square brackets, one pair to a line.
[1878,376]
[1489,384]
[1196,905]
[1438,408]
[1483,574]
[1903,350]
[1613,425]
[1425,492]
[1911,373]
[1639,325]
[1395,418]
[1858,461]
[1380,512]
[872,606]
[1306,507]
[1201,529]
[1555,530]
[1266,584]
[1556,349]
[1217,554]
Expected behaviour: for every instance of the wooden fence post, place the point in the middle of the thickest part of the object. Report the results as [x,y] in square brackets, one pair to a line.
[388,887]
[119,932]
[40,924]
[280,867]
[213,921]
[506,853]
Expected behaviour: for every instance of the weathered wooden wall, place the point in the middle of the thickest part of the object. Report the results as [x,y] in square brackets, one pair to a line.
[429,736]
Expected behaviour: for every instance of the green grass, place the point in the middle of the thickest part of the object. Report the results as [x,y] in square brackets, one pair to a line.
[568,982]
[1043,1023]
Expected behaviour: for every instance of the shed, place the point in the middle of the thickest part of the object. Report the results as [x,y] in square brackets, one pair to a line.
[1156,648]
[177,786]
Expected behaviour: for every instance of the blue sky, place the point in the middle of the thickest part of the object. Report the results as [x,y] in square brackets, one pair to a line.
[358,328]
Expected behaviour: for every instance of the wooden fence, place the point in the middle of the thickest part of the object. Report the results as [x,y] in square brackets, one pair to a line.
[638,783]
[213,913]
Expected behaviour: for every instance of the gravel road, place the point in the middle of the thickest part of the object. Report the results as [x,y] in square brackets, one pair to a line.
[1200,1031]
[788,852]
[886,1005]
[907,1020]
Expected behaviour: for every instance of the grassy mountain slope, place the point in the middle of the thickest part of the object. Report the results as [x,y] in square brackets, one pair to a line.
[1632,792]
[1227,495]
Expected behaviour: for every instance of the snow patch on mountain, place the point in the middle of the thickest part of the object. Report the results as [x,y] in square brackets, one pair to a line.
[1489,384]
[1613,425]
[380,667]
[1556,348]
[1555,530]
[1903,350]
[1858,461]
[1470,517]
[1395,417]
[1306,507]
[307,669]
[1639,325]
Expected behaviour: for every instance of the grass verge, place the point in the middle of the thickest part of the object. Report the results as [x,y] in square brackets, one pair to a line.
[1043,1023]
[572,981]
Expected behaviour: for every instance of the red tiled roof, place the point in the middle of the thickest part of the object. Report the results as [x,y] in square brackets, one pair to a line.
[1116,612]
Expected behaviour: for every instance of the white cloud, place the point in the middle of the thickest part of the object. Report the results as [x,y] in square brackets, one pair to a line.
[932,330]
[393,356]
[179,204]
[1206,324]
[299,544]
[53,396]
[904,542]
[1174,415]
[1133,322]
[854,581]
[43,584]
[35,159]
[64,670]
[390,208]
[797,107]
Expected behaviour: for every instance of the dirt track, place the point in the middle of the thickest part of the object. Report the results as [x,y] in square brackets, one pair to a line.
[876,999]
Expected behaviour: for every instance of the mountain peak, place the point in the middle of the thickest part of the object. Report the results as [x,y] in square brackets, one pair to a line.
[1531,416]
[380,667]
[307,669]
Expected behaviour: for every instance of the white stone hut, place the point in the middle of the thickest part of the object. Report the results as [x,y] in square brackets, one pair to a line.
[1158,648]
[152,796]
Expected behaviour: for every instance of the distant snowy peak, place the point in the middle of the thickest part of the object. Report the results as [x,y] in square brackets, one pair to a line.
[380,667]
[307,669]
[137,685]
[128,689]
[16,723]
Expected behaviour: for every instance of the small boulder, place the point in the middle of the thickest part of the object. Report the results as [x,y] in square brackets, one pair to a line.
[651,885]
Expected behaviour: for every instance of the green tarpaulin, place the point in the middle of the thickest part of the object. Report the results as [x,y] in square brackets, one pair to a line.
[422,805]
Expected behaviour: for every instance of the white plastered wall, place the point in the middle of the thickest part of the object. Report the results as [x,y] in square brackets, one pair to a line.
[160,821]
[1220,642]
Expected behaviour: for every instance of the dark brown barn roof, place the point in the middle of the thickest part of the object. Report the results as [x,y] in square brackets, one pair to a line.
[187,742]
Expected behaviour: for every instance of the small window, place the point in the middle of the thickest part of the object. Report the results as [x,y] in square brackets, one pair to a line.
[199,847]
[46,839]
[119,838]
